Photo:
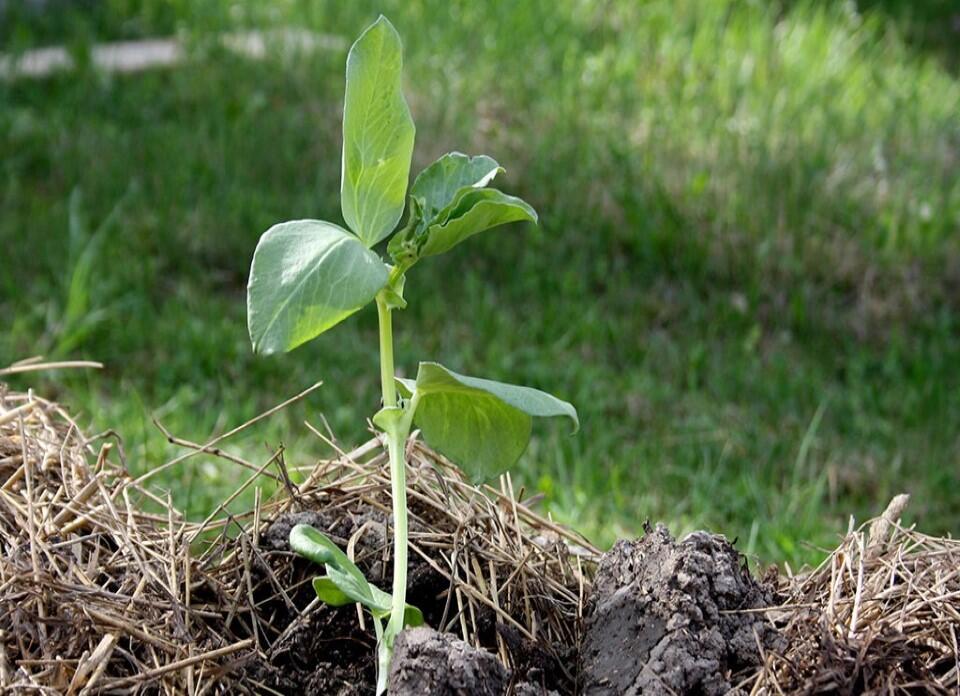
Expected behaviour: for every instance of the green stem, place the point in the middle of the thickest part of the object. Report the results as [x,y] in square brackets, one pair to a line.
[383,657]
[396,444]
[387,383]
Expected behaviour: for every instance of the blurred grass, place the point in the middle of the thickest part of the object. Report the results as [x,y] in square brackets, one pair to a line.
[745,277]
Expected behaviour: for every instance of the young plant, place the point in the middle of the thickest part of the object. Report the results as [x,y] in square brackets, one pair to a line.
[309,275]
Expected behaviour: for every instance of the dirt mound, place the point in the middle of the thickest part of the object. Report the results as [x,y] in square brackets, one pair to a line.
[667,617]
[428,663]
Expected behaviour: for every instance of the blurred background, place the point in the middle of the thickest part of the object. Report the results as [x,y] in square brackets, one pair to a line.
[746,274]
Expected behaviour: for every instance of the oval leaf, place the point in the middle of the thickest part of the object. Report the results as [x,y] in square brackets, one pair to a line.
[473,211]
[438,184]
[482,425]
[378,135]
[356,588]
[307,276]
[481,434]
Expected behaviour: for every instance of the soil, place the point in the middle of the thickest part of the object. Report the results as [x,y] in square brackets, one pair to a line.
[428,663]
[665,617]
[542,611]
[326,651]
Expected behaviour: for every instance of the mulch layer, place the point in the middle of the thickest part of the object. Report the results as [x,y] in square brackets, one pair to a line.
[105,587]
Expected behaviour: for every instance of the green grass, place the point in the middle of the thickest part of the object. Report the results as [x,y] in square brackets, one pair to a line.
[745,275]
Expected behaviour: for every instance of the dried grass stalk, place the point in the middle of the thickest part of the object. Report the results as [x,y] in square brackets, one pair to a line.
[100,592]
[96,594]
[104,587]
[881,615]
[497,556]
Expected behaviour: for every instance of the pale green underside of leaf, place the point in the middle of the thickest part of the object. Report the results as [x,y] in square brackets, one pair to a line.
[378,134]
[480,433]
[437,185]
[406,386]
[473,211]
[344,583]
[330,593]
[482,425]
[316,546]
[307,276]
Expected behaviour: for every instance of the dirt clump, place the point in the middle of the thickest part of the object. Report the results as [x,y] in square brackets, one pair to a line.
[429,663]
[666,617]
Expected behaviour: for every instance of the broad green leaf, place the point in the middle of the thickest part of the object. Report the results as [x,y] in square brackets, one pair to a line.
[437,185]
[307,276]
[434,378]
[482,425]
[473,211]
[338,590]
[378,134]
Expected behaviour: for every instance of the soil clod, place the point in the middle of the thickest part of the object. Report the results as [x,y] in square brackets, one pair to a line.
[429,663]
[664,618]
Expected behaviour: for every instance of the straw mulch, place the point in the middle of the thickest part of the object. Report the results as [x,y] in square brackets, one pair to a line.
[95,593]
[500,562]
[881,615]
[104,587]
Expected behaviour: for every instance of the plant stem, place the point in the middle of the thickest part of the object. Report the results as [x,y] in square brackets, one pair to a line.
[383,657]
[396,444]
[387,384]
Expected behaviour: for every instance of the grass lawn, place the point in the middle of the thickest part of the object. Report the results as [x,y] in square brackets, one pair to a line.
[746,274]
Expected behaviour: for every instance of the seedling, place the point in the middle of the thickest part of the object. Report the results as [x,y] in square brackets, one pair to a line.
[309,275]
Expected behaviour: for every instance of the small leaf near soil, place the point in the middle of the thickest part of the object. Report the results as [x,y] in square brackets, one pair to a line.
[344,582]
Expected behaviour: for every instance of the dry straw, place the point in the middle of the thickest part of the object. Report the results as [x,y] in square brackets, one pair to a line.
[881,615]
[104,587]
[494,553]
[96,593]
